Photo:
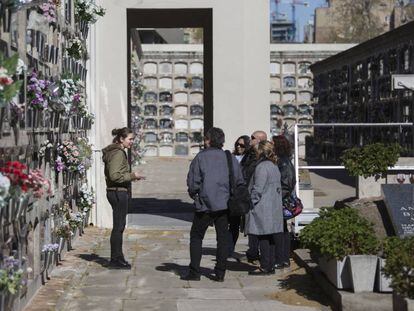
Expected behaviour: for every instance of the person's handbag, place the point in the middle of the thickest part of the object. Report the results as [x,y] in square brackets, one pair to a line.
[292,206]
[239,202]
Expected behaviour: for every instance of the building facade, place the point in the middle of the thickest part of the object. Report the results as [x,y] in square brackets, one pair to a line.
[171,107]
[291,85]
[355,86]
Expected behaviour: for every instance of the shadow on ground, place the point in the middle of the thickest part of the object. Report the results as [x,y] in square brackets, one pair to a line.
[172,208]
[104,262]
[303,285]
[340,175]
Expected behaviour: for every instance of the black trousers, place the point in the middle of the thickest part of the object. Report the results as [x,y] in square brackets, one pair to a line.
[234,231]
[253,250]
[199,227]
[283,245]
[267,251]
[119,203]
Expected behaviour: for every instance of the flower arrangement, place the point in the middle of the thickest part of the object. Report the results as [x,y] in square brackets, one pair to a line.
[70,156]
[85,150]
[64,231]
[9,87]
[4,189]
[75,220]
[48,10]
[77,49]
[59,165]
[50,248]
[37,92]
[69,93]
[44,147]
[86,198]
[88,11]
[38,183]
[19,179]
[11,276]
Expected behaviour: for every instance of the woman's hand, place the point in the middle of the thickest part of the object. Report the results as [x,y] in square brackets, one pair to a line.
[137,176]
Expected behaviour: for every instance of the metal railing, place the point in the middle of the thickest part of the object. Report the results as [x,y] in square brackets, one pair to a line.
[296,138]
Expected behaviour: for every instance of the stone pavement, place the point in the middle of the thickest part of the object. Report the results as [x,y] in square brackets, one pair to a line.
[159,257]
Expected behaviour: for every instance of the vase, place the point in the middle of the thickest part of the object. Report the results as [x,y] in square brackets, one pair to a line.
[3,112]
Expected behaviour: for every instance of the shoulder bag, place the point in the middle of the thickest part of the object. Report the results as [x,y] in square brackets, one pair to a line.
[239,202]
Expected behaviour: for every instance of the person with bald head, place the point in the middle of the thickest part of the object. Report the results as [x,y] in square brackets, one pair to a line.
[248,164]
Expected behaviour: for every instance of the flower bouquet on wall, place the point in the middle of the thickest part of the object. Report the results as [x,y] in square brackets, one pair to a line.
[12,279]
[77,49]
[69,156]
[10,70]
[87,12]
[86,200]
[37,99]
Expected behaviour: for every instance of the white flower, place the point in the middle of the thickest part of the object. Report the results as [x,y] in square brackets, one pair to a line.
[21,66]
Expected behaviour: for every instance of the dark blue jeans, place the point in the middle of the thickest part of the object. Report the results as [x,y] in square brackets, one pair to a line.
[119,203]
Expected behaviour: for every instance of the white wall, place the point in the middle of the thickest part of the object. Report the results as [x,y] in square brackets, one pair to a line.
[240,72]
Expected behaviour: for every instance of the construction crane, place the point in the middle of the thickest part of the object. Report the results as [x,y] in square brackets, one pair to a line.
[293,4]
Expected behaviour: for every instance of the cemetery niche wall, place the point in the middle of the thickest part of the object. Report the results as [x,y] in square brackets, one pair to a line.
[45,197]
[355,87]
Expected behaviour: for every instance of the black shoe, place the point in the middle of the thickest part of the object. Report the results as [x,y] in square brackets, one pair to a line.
[252,260]
[261,271]
[217,278]
[191,276]
[119,264]
[124,261]
[286,264]
[280,266]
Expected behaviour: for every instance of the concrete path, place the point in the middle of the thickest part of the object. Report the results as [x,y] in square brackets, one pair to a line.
[159,257]
[156,243]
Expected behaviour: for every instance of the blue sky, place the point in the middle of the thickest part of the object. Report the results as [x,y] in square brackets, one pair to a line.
[303,14]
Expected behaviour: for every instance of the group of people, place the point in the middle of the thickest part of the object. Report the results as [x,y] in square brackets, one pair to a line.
[268,171]
[265,167]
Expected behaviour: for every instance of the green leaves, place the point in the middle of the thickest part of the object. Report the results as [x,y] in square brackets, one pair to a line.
[338,233]
[9,63]
[399,265]
[371,160]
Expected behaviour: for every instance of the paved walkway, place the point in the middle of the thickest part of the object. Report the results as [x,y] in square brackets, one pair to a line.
[159,257]
[156,243]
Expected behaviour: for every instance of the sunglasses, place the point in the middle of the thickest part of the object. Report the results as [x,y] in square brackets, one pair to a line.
[240,145]
[252,137]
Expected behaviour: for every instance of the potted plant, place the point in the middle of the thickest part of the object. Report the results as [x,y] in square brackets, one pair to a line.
[399,266]
[346,245]
[370,164]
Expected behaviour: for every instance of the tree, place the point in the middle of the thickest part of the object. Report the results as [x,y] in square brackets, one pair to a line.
[359,20]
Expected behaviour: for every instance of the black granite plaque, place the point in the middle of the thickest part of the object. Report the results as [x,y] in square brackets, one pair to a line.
[399,200]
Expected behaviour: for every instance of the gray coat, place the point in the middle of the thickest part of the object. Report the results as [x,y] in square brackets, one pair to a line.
[266,217]
[208,180]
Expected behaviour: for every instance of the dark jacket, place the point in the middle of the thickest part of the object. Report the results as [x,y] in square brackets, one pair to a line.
[248,164]
[208,180]
[117,173]
[287,176]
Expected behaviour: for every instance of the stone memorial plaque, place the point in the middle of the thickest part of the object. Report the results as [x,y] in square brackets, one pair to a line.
[399,200]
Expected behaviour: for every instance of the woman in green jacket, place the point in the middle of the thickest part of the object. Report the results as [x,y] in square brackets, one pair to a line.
[118,180]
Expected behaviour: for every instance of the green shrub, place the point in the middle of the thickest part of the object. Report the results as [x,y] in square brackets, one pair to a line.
[399,265]
[371,160]
[337,233]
